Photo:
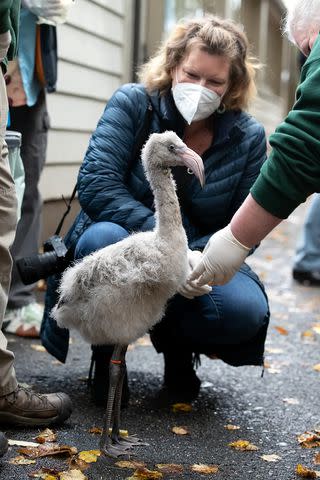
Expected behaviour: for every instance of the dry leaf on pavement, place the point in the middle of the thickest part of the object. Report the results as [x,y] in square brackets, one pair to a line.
[317,367]
[316,328]
[291,401]
[271,458]
[72,475]
[243,445]
[180,430]
[305,472]
[309,440]
[45,474]
[204,469]
[130,464]
[316,459]
[181,407]
[38,348]
[89,456]
[46,436]
[273,350]
[21,460]
[145,474]
[45,450]
[231,427]
[308,335]
[170,468]
[281,330]
[98,431]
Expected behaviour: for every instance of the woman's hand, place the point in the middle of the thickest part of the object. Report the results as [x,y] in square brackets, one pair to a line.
[221,259]
[191,290]
[5,40]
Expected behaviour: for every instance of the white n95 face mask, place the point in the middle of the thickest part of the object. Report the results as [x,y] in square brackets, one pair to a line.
[195,102]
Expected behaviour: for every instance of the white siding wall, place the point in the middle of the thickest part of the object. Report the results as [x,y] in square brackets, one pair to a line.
[93,51]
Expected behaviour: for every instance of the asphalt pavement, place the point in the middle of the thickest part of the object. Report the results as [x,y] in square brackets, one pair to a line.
[270,411]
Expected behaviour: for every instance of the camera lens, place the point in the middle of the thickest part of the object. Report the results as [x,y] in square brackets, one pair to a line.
[31,269]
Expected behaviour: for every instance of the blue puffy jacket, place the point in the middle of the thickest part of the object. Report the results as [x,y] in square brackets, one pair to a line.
[112,185]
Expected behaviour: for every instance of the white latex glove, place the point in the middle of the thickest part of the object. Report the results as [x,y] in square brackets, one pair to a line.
[5,40]
[45,8]
[221,259]
[191,290]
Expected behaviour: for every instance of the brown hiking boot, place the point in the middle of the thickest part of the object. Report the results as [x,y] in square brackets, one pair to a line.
[26,408]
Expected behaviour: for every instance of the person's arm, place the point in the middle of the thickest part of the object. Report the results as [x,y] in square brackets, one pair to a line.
[288,177]
[102,180]
[5,25]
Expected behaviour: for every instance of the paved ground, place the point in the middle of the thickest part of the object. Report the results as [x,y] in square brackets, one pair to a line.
[259,406]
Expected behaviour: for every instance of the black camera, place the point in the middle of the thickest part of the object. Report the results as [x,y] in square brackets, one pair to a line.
[55,259]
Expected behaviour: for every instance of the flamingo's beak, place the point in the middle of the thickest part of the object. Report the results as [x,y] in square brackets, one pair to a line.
[193,161]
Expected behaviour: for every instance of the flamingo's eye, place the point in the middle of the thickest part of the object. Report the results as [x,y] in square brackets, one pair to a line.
[171,148]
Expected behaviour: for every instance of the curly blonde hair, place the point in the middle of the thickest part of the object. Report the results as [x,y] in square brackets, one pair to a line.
[215,36]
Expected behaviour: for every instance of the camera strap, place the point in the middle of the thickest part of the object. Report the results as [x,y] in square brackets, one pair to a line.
[68,205]
[141,138]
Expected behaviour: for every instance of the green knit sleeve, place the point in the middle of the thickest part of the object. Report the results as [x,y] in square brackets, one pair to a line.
[5,22]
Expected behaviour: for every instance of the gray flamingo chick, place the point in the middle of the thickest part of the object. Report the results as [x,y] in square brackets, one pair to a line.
[116,294]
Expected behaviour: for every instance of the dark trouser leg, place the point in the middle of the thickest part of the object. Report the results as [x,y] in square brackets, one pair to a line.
[229,319]
[33,124]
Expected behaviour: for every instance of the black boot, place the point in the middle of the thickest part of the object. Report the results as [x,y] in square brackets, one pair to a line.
[181,383]
[99,376]
[3,444]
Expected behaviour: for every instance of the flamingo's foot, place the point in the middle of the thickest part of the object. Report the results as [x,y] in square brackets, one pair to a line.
[117,451]
[132,441]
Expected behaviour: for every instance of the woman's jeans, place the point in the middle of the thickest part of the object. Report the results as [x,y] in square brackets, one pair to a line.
[307,258]
[231,314]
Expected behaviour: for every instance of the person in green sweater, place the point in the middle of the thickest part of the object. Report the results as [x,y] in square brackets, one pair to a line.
[18,405]
[292,171]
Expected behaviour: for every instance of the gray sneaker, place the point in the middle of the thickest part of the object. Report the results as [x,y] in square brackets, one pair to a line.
[26,408]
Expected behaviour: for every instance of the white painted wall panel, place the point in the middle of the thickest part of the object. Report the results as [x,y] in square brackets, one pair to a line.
[66,147]
[81,47]
[78,80]
[74,113]
[114,5]
[93,48]
[57,180]
[97,20]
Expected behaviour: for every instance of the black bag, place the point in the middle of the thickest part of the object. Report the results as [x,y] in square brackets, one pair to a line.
[46,63]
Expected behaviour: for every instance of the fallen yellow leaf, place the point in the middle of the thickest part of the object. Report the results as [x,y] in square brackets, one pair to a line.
[170,468]
[181,407]
[231,427]
[89,456]
[145,474]
[180,430]
[317,367]
[21,460]
[271,458]
[316,459]
[72,475]
[38,348]
[305,472]
[308,335]
[244,445]
[130,464]
[204,469]
[309,440]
